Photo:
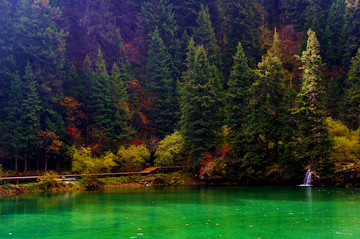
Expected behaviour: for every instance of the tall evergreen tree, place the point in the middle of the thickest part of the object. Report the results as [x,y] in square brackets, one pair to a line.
[31,107]
[237,99]
[122,129]
[160,15]
[200,119]
[264,127]
[161,87]
[204,34]
[121,58]
[294,12]
[313,15]
[351,31]
[315,142]
[42,43]
[243,20]
[100,104]
[333,35]
[12,138]
[352,94]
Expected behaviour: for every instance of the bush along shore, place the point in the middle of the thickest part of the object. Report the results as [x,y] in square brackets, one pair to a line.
[50,183]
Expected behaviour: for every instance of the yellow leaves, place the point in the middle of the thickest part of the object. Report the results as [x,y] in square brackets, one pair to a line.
[336,128]
[143,118]
[275,169]
[72,107]
[346,144]
[50,141]
[169,149]
[124,105]
[133,158]
[84,162]
[271,145]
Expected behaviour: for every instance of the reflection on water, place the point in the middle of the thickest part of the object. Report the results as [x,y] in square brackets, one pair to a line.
[185,212]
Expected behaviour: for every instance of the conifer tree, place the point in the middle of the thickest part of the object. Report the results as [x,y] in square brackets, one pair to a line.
[351,31]
[200,119]
[160,15]
[12,137]
[100,103]
[313,15]
[122,129]
[190,57]
[96,26]
[289,132]
[315,143]
[237,99]
[188,72]
[161,87]
[352,94]
[265,120]
[42,43]
[31,107]
[204,35]
[333,35]
[121,58]
[243,20]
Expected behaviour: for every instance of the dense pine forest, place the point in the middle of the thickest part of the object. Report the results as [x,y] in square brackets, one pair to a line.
[247,90]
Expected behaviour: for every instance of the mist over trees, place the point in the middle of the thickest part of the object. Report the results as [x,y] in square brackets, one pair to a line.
[249,90]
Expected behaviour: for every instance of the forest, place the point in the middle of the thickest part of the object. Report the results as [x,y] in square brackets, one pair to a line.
[249,90]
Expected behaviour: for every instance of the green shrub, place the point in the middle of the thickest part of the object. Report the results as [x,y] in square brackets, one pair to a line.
[173,179]
[92,183]
[48,181]
[346,144]
[133,158]
[170,150]
[84,162]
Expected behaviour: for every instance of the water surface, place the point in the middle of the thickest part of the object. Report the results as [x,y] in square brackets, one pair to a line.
[185,212]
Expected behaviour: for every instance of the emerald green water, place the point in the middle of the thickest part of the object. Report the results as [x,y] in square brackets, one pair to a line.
[185,212]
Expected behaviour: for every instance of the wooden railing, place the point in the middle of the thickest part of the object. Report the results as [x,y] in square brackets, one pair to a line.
[64,177]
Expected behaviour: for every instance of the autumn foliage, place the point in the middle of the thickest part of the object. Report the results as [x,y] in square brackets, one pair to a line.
[216,164]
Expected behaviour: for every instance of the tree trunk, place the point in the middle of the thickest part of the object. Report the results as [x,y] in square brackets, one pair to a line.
[57,164]
[25,163]
[46,162]
[38,160]
[16,165]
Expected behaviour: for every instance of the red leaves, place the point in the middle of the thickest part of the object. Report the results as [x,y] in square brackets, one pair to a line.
[223,149]
[207,158]
[74,133]
[216,164]
[137,142]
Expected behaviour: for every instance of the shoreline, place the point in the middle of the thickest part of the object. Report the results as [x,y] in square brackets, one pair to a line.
[52,185]
[110,183]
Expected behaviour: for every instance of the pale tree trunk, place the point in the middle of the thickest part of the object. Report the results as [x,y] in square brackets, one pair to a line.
[46,161]
[25,163]
[16,165]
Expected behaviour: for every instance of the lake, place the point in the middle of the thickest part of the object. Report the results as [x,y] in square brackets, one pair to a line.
[185,212]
